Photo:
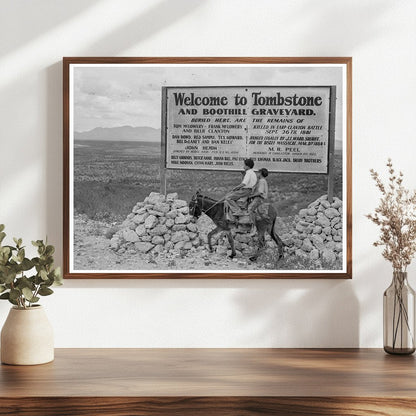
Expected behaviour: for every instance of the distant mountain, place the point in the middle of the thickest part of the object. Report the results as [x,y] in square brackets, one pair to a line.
[123,133]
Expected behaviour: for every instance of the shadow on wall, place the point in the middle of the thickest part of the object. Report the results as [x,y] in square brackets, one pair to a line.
[301,313]
[144,25]
[37,18]
[4,311]
[283,313]
[375,277]
[312,313]
[308,313]
[156,18]
[348,25]
[40,17]
[54,146]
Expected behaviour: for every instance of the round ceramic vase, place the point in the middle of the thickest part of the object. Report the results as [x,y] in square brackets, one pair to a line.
[27,337]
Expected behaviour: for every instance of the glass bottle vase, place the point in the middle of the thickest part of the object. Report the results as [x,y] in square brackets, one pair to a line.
[399,316]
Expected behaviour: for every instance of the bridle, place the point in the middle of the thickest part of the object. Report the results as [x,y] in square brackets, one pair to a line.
[204,211]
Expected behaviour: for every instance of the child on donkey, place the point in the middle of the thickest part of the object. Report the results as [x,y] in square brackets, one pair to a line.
[244,189]
[258,197]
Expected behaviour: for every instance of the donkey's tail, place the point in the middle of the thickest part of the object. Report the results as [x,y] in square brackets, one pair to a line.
[280,244]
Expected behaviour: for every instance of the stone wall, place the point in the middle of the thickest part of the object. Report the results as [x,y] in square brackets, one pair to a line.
[158,224]
[317,231]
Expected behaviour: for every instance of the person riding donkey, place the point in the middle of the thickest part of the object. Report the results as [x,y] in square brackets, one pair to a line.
[244,189]
[258,197]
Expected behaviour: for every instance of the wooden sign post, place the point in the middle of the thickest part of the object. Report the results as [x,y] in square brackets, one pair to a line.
[163,142]
[331,146]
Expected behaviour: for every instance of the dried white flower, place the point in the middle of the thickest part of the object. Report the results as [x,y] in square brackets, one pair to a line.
[396,216]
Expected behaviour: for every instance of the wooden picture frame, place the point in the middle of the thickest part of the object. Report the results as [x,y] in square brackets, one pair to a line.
[134,125]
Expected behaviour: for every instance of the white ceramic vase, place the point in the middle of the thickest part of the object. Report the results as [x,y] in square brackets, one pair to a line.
[27,337]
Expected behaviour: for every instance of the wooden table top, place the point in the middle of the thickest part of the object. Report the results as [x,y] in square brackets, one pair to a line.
[214,372]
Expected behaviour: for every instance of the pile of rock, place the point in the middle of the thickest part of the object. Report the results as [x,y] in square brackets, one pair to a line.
[158,224]
[317,231]
[244,243]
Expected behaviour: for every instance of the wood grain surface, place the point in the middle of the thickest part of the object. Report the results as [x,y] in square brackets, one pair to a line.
[208,406]
[212,381]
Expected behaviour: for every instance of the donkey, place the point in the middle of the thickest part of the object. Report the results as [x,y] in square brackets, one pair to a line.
[201,204]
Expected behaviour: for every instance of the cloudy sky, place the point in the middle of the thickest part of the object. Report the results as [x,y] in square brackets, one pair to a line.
[120,95]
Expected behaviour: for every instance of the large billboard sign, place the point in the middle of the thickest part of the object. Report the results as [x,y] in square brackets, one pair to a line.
[282,128]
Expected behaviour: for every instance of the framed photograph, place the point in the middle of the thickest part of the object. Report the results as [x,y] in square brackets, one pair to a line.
[207,168]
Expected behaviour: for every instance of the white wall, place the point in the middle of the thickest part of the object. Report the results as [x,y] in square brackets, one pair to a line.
[380,35]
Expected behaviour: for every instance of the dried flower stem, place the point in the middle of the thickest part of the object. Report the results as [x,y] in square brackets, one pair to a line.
[396,216]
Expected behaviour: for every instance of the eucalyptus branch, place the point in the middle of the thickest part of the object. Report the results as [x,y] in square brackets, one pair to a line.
[36,292]
[23,280]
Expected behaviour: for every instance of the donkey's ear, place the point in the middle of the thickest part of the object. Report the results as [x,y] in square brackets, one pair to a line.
[198,192]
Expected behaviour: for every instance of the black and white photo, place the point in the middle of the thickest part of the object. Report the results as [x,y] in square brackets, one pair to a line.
[218,167]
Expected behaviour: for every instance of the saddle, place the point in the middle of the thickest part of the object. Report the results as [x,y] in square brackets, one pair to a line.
[261,212]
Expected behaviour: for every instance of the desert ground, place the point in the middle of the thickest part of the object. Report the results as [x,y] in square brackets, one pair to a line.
[111,177]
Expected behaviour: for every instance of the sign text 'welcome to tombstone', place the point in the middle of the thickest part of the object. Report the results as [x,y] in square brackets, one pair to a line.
[284,129]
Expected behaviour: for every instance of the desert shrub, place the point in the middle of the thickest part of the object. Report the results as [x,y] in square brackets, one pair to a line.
[111,231]
[111,177]
[268,260]
[108,202]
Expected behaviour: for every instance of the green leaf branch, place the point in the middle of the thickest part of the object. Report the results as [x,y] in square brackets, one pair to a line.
[23,280]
